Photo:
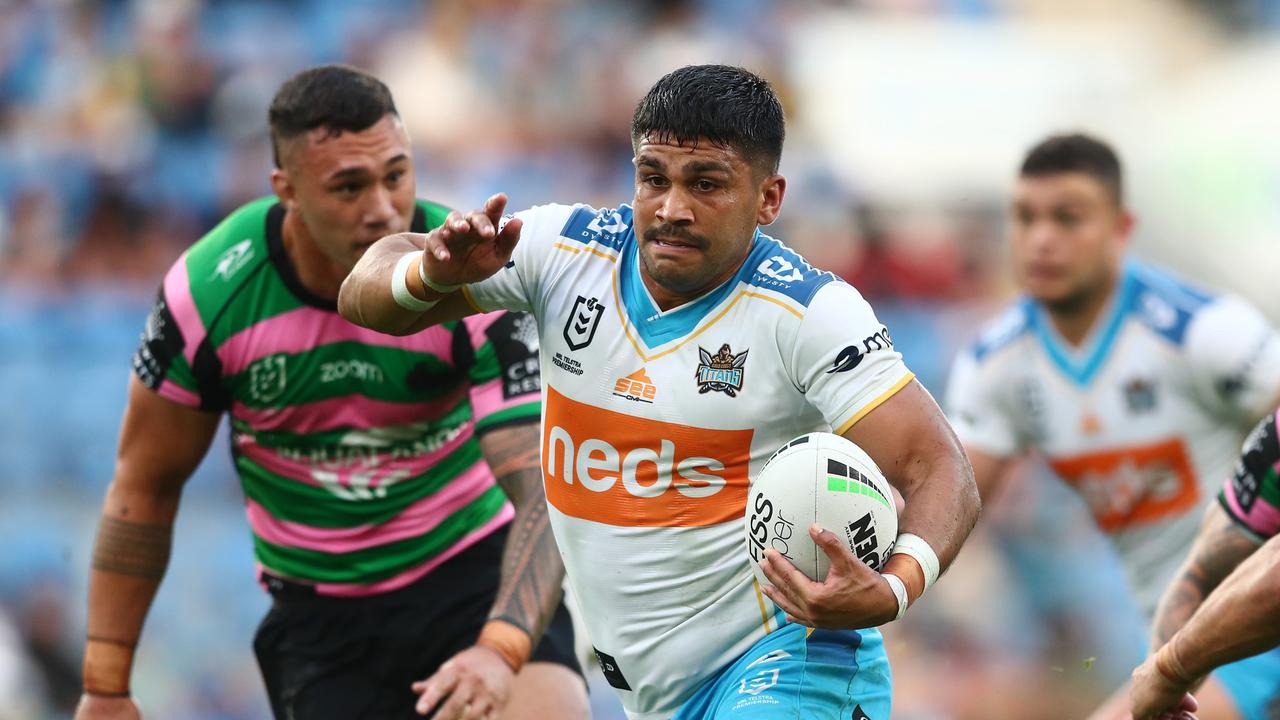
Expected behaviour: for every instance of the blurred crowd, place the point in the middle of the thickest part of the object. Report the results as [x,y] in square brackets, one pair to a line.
[129,127]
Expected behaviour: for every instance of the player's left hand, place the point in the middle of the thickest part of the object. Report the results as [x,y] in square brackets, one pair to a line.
[852,595]
[1152,696]
[473,685]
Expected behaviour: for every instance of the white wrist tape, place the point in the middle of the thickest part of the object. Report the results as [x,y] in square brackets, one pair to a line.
[918,548]
[899,589]
[400,289]
[422,275]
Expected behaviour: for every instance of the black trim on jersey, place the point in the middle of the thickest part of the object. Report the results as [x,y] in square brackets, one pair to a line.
[516,361]
[1239,522]
[161,343]
[207,368]
[284,266]
[464,353]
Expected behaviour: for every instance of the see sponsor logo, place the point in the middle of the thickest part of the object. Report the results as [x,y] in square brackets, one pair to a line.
[617,469]
[637,386]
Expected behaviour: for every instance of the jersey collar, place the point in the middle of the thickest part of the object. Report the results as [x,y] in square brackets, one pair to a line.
[1082,364]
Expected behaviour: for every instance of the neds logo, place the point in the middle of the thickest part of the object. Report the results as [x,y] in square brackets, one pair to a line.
[618,469]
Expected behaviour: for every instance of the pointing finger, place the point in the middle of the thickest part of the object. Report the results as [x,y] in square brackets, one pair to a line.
[495,205]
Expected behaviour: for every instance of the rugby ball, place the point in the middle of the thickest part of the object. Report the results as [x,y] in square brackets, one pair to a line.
[822,478]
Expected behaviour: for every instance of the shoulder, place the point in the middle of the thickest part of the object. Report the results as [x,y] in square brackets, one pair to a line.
[778,271]
[1002,332]
[212,270]
[227,253]
[582,225]
[1166,303]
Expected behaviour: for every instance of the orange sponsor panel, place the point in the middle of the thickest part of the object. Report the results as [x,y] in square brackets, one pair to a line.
[1132,486]
[618,469]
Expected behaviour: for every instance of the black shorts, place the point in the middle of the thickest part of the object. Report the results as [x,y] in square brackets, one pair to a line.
[325,657]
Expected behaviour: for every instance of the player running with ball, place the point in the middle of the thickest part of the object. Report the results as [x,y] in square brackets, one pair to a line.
[680,348]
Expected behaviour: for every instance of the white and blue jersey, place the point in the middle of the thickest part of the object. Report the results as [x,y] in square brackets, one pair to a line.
[654,424]
[1144,420]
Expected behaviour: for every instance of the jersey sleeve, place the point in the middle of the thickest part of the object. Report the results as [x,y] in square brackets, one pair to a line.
[843,358]
[1251,496]
[975,410]
[1231,352]
[172,357]
[517,286]
[501,351]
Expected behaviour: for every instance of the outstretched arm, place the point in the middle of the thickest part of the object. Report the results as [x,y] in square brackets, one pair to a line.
[1240,618]
[161,443]
[532,571]
[465,249]
[1219,548]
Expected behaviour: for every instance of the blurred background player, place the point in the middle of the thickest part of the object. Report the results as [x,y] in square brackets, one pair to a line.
[368,464]
[1224,604]
[657,483]
[1134,386]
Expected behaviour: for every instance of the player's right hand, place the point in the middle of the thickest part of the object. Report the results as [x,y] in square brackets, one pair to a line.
[97,707]
[475,684]
[470,247]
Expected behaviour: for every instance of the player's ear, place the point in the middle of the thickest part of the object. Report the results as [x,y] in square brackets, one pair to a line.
[772,188]
[282,186]
[1125,223]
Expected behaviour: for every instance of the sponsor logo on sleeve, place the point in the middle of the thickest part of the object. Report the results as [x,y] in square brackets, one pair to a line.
[852,355]
[781,269]
[160,344]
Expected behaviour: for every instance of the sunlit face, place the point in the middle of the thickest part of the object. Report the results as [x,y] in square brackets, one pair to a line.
[349,189]
[696,211]
[1068,236]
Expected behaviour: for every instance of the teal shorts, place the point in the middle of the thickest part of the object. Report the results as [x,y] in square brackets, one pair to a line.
[1254,685]
[791,673]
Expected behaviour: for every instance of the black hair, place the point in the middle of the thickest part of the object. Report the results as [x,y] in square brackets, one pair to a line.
[338,98]
[1077,152]
[723,105]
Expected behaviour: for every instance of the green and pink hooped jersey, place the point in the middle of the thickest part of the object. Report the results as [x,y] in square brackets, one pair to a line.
[357,451]
[1252,495]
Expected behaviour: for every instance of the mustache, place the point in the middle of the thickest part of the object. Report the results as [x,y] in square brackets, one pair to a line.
[675,232]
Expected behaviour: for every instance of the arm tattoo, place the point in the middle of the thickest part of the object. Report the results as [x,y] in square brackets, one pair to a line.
[532,571]
[130,548]
[1219,548]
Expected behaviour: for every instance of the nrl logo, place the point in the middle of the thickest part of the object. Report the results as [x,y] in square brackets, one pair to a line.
[580,328]
[721,372]
[267,378]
